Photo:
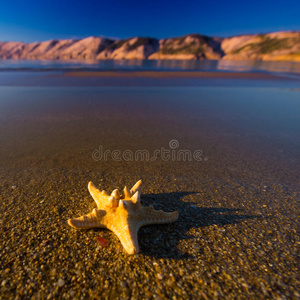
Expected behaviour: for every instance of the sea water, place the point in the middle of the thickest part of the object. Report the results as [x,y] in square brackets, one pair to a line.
[246,128]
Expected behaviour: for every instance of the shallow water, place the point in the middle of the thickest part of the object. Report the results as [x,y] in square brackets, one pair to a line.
[156,65]
[254,128]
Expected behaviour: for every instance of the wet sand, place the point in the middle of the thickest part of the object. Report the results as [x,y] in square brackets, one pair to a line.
[238,229]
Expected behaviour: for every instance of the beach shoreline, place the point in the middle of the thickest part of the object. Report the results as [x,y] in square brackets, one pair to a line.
[174,74]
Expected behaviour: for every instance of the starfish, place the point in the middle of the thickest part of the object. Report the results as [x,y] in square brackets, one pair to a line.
[122,214]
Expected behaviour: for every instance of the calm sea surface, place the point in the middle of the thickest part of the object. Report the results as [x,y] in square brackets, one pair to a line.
[158,65]
[245,128]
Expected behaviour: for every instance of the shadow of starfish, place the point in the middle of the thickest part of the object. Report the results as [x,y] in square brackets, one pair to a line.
[161,241]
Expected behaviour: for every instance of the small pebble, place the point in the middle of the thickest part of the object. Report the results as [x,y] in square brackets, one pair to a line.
[60,282]
[160,276]
[3,283]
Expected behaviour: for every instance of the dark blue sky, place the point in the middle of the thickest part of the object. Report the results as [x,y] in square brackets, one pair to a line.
[37,20]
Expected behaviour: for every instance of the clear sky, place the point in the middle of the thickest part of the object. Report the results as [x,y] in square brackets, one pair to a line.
[39,20]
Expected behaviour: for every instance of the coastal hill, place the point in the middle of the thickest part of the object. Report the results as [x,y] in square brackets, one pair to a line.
[268,47]
[284,46]
[192,46]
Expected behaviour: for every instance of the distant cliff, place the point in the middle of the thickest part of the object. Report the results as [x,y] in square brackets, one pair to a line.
[272,46]
[90,48]
[192,46]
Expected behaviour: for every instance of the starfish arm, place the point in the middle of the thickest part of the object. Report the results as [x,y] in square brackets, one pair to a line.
[93,219]
[137,188]
[127,194]
[151,216]
[101,198]
[127,234]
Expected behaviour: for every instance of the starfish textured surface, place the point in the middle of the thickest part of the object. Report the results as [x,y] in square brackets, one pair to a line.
[122,214]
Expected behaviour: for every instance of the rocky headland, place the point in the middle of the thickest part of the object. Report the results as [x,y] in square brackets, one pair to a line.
[281,46]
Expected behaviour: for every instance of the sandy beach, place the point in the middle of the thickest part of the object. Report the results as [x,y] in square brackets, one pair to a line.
[238,229]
